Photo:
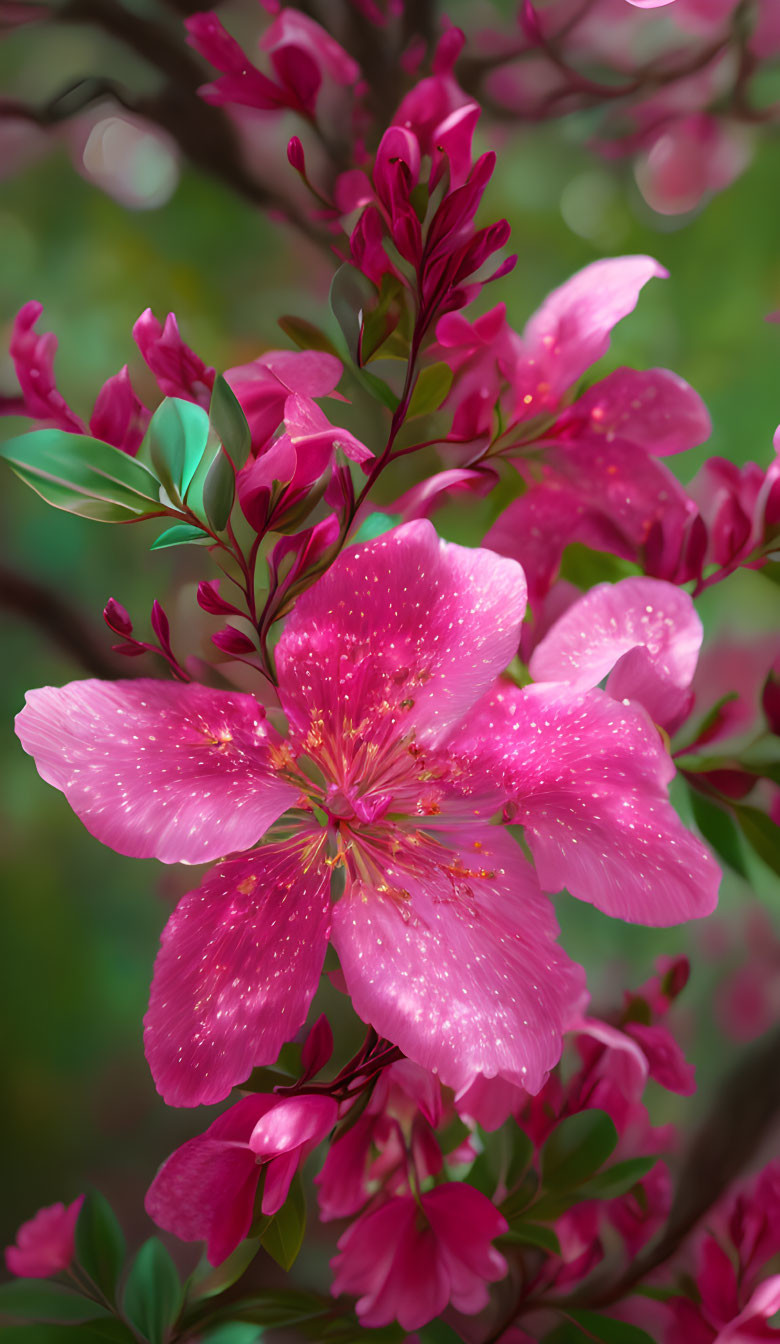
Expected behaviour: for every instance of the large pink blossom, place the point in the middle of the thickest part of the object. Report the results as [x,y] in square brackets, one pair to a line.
[408,1259]
[401,749]
[44,1244]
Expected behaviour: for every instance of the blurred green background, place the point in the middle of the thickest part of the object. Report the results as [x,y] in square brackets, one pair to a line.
[78,924]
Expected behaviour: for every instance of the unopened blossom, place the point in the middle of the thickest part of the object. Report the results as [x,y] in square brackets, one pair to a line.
[402,751]
[44,1245]
[206,1190]
[409,1259]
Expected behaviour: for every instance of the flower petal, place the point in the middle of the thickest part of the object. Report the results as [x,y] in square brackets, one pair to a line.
[454,960]
[157,769]
[407,627]
[572,328]
[238,967]
[588,777]
[645,629]
[653,408]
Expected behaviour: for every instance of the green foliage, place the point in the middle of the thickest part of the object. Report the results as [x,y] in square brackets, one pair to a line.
[592,1326]
[283,1237]
[230,422]
[100,1243]
[153,1294]
[576,1148]
[761,833]
[719,830]
[42,1300]
[83,476]
[174,444]
[181,534]
[351,293]
[306,336]
[430,390]
[108,1331]
[219,489]
[208,1281]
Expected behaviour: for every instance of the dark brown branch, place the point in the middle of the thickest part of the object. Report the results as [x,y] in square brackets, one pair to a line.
[52,614]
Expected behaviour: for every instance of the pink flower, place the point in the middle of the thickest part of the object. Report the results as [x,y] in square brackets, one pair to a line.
[178,370]
[409,1259]
[44,1245]
[206,1190]
[644,633]
[387,677]
[690,158]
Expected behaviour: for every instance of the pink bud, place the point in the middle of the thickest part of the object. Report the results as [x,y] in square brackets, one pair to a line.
[295,155]
[209,599]
[116,618]
[232,641]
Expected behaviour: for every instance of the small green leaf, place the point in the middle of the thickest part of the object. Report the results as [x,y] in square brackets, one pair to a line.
[719,830]
[351,292]
[42,1300]
[533,1234]
[283,1237]
[430,390]
[230,422]
[576,1148]
[219,490]
[439,1332]
[375,525]
[591,1325]
[761,833]
[153,1295]
[234,1332]
[207,1281]
[181,534]
[100,1242]
[379,390]
[306,336]
[617,1179]
[174,443]
[83,476]
[520,1157]
[108,1331]
[279,1307]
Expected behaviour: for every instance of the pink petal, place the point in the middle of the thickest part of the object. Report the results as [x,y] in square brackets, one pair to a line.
[666,1060]
[465,1223]
[454,959]
[119,417]
[645,631]
[292,1122]
[588,777]
[393,1264]
[178,370]
[157,769]
[239,963]
[206,1191]
[653,408]
[44,1244]
[278,1179]
[572,328]
[407,626]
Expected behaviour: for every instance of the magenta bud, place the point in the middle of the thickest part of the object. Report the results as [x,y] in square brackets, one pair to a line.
[116,618]
[232,641]
[209,599]
[160,625]
[295,155]
[317,1048]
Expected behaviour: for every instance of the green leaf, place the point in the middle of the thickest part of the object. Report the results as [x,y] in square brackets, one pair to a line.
[306,336]
[174,443]
[591,1325]
[42,1300]
[109,1331]
[430,390]
[719,830]
[439,1332]
[234,1332]
[153,1295]
[181,534]
[521,1156]
[219,490]
[617,1179]
[275,1308]
[100,1242]
[761,833]
[533,1234]
[378,389]
[230,422]
[207,1281]
[375,525]
[576,1148]
[351,293]
[283,1237]
[83,476]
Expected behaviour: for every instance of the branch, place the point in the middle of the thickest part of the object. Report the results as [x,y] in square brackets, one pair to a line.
[61,623]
